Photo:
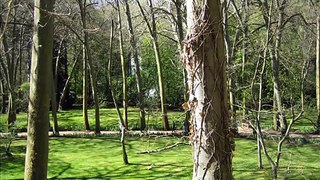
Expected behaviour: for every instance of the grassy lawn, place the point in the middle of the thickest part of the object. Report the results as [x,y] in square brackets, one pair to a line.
[100,158]
[72,120]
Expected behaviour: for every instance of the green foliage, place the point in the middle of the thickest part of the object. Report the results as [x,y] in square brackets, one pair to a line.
[171,68]
[24,87]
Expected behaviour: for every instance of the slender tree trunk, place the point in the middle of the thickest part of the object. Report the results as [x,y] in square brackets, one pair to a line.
[94,94]
[258,118]
[3,101]
[154,36]
[179,35]
[36,162]
[245,30]
[54,107]
[67,84]
[275,48]
[82,6]
[9,72]
[12,115]
[134,50]
[121,122]
[22,33]
[318,73]
[124,71]
[304,73]
[205,61]
[233,117]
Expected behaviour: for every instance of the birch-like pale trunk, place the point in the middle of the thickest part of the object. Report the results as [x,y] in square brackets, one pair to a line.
[36,163]
[205,61]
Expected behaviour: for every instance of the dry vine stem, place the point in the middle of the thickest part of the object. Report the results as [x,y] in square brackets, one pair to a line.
[204,59]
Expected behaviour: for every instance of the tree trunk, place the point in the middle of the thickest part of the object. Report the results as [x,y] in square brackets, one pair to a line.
[36,162]
[275,67]
[179,35]
[12,115]
[54,107]
[121,122]
[205,62]
[318,73]
[94,93]
[154,36]
[245,35]
[3,102]
[82,6]
[9,74]
[67,84]
[134,50]
[124,71]
[233,117]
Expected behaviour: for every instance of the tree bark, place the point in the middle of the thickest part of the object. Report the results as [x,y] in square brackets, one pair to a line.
[124,71]
[3,101]
[205,62]
[67,84]
[54,107]
[121,122]
[179,35]
[82,6]
[9,72]
[133,43]
[275,67]
[36,162]
[152,28]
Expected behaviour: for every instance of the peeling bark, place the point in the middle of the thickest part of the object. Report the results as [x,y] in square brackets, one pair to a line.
[205,61]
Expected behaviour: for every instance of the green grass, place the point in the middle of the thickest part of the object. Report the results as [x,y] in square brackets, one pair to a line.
[100,158]
[306,124]
[72,120]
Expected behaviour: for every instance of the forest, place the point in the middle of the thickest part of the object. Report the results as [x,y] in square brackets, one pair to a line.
[159,89]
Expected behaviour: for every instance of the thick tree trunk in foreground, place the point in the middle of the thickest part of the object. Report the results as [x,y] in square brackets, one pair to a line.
[38,121]
[205,62]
